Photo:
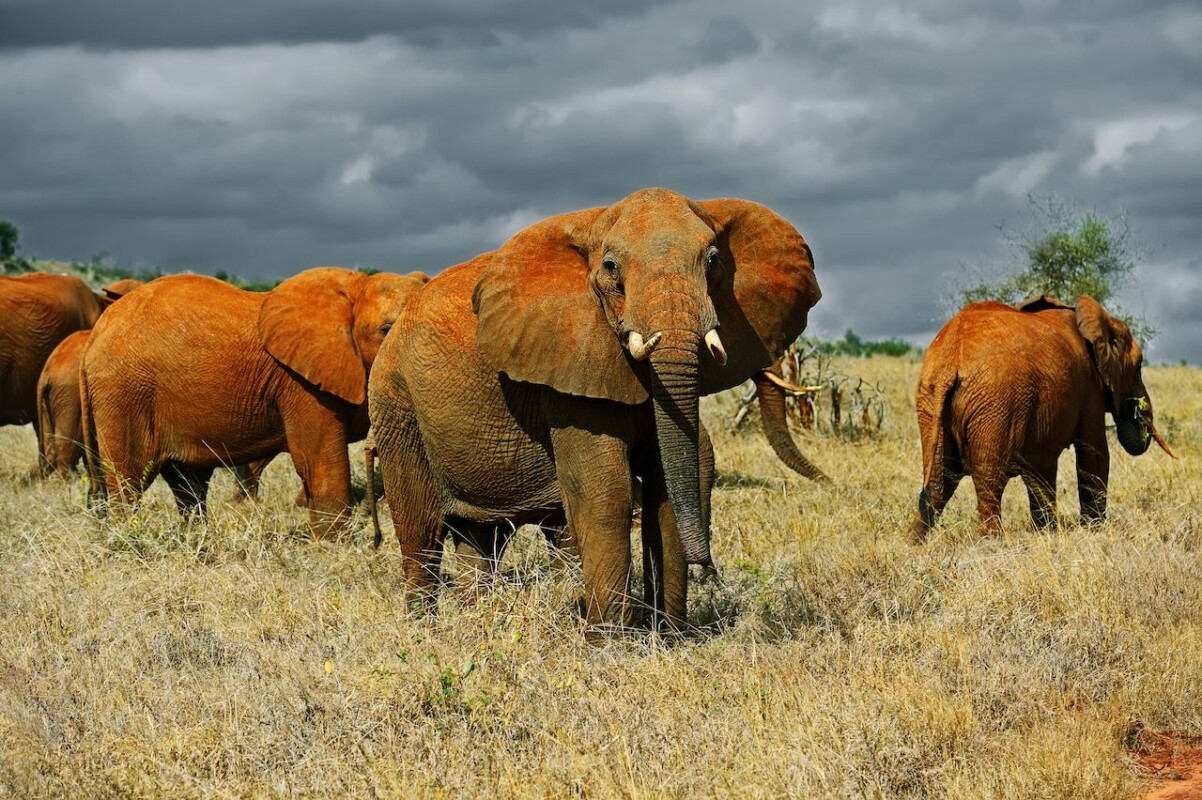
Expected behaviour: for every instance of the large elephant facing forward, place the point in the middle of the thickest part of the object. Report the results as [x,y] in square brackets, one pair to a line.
[543,375]
[190,373]
[1004,391]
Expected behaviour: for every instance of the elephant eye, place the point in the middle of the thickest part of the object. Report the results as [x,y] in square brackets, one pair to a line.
[609,264]
[713,261]
[385,328]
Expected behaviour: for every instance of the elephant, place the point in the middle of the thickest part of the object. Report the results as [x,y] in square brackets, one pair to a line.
[37,312]
[541,378]
[482,548]
[1003,391]
[59,427]
[60,435]
[190,373]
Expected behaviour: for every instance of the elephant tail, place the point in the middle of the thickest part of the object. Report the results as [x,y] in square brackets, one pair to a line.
[97,490]
[369,456]
[45,427]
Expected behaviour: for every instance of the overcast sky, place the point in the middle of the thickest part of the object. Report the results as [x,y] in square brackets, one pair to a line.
[266,137]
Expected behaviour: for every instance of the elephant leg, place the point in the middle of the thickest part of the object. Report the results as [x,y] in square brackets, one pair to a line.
[414,501]
[125,476]
[1041,495]
[990,484]
[594,476]
[665,571]
[190,485]
[319,454]
[1093,471]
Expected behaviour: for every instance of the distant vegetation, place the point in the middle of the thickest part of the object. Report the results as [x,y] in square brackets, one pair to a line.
[852,345]
[103,269]
[1066,253]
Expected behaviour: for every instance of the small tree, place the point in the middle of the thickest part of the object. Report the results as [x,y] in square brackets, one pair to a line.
[9,238]
[1067,253]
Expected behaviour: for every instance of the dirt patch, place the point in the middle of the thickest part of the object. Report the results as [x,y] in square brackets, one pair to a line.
[1172,761]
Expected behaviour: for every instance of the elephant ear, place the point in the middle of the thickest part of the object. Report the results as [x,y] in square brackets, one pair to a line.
[115,291]
[539,320]
[1041,302]
[306,324]
[767,289]
[1108,342]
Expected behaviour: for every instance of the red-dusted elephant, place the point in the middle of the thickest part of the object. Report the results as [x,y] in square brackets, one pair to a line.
[1004,391]
[539,378]
[38,311]
[190,373]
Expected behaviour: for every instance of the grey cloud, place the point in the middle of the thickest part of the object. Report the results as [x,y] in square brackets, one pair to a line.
[263,137]
[153,24]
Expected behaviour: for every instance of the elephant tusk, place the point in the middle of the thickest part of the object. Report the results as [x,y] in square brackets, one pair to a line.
[640,349]
[715,346]
[1156,437]
[789,387]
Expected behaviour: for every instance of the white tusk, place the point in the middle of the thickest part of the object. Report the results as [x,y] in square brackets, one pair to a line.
[789,387]
[716,348]
[640,349]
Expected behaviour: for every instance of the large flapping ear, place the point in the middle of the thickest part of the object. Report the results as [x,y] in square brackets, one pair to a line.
[539,319]
[1108,344]
[1041,302]
[767,289]
[305,324]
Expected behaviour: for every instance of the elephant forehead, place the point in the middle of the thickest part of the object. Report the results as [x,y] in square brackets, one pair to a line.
[661,225]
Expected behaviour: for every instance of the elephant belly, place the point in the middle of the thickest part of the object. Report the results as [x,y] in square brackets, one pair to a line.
[206,422]
[489,472]
[487,445]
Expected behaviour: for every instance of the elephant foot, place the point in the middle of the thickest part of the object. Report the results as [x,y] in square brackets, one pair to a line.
[918,532]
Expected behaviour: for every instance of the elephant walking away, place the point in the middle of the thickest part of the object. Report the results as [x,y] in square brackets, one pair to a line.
[190,373]
[548,374]
[37,312]
[1004,391]
[60,414]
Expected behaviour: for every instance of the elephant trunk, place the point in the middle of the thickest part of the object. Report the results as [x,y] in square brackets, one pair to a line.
[772,414]
[674,395]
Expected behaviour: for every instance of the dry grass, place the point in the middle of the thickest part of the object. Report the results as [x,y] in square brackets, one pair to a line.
[150,659]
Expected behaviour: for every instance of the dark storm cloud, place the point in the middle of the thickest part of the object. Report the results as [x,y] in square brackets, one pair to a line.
[264,137]
[155,24]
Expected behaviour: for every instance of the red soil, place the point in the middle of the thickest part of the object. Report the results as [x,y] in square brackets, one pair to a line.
[1172,761]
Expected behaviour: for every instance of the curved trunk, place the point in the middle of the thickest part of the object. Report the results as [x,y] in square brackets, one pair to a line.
[772,414]
[674,393]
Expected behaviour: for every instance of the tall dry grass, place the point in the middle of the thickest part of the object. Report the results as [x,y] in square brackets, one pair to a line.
[151,659]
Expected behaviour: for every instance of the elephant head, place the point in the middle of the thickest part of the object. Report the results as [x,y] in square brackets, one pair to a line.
[1119,361]
[327,324]
[654,297]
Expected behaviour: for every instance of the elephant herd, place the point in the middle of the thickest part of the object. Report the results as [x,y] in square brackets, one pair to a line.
[553,381]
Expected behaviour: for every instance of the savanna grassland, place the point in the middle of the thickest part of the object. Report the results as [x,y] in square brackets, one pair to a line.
[147,658]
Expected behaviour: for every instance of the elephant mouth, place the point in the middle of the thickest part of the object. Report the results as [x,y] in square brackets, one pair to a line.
[1136,431]
[1133,435]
